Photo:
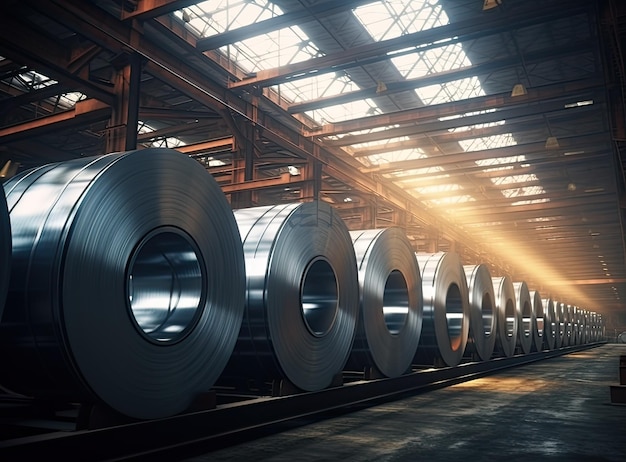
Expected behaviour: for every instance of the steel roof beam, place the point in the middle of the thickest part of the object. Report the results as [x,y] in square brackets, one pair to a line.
[309,13]
[563,91]
[438,77]
[148,9]
[422,40]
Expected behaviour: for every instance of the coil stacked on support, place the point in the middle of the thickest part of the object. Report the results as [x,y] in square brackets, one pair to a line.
[302,295]
[575,325]
[525,312]
[567,324]
[446,309]
[391,304]
[5,250]
[482,331]
[127,282]
[584,331]
[550,324]
[539,328]
[560,324]
[508,318]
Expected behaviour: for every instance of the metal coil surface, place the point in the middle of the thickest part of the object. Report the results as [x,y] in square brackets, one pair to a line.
[482,331]
[526,320]
[302,295]
[127,282]
[559,324]
[549,324]
[567,324]
[538,329]
[508,319]
[446,309]
[5,250]
[391,304]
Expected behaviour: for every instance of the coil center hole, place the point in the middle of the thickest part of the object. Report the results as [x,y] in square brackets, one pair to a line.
[395,302]
[165,285]
[526,319]
[454,316]
[319,297]
[487,314]
[509,315]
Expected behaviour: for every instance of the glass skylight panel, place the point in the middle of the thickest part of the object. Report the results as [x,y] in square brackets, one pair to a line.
[392,18]
[396,156]
[342,112]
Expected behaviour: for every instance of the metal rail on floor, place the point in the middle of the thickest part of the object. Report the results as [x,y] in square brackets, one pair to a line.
[200,432]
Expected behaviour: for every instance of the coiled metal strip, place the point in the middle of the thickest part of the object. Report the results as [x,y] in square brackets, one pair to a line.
[127,282]
[549,324]
[446,309]
[302,295]
[539,317]
[508,319]
[391,303]
[560,324]
[5,250]
[527,321]
[482,331]
[567,324]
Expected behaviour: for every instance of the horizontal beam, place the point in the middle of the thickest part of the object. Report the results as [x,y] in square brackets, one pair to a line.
[148,9]
[299,16]
[83,113]
[437,78]
[419,41]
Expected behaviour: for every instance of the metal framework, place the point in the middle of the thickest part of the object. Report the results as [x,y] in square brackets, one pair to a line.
[497,133]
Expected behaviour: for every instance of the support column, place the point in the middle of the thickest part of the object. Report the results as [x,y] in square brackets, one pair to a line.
[122,133]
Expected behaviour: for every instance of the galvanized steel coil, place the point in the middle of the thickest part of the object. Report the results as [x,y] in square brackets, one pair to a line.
[302,295]
[391,303]
[539,327]
[508,318]
[5,250]
[482,331]
[127,282]
[567,324]
[560,324]
[549,324]
[526,319]
[446,309]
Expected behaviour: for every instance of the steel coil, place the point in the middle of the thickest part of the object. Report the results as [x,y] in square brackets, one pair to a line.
[508,319]
[621,338]
[549,324]
[5,250]
[584,336]
[526,320]
[446,309]
[576,325]
[127,282]
[391,304]
[302,295]
[482,331]
[567,325]
[559,323]
[539,327]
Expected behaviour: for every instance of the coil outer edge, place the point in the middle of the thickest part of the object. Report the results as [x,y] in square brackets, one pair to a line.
[379,253]
[508,317]
[280,242]
[441,272]
[76,225]
[550,327]
[527,323]
[483,325]
[5,250]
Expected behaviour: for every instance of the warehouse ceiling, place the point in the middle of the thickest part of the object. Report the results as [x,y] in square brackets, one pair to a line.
[492,128]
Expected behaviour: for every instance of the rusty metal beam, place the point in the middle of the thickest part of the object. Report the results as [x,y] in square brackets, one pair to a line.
[221,144]
[148,9]
[83,113]
[420,41]
[305,14]
[25,45]
[283,180]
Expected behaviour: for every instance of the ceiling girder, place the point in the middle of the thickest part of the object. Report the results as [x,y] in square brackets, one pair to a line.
[290,18]
[422,40]
[437,78]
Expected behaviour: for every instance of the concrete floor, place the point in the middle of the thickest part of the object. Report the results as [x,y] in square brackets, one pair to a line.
[555,410]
